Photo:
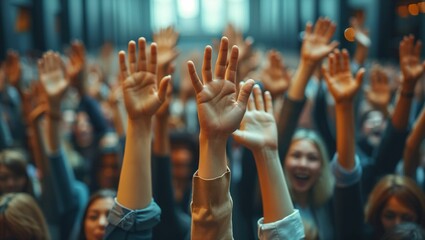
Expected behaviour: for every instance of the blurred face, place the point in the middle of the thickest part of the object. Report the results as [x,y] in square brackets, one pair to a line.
[10,182]
[181,159]
[96,219]
[373,127]
[303,165]
[396,212]
[83,130]
[109,172]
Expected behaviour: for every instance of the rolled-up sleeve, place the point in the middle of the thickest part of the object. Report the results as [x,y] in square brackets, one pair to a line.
[290,227]
[344,177]
[125,223]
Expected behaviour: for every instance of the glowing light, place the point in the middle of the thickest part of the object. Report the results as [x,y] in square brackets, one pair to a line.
[402,11]
[413,9]
[350,34]
[188,8]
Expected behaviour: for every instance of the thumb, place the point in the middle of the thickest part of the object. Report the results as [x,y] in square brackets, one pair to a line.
[163,85]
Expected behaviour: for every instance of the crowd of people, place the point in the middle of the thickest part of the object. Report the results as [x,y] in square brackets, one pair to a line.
[246,149]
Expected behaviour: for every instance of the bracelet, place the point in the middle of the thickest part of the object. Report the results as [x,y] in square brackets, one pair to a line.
[407,94]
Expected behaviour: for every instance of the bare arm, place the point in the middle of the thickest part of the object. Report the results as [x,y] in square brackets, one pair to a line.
[411,154]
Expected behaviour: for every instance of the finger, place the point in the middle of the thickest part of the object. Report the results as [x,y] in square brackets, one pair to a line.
[251,103]
[330,31]
[206,65]
[258,98]
[337,54]
[196,83]
[132,62]
[333,45]
[123,66]
[417,50]
[40,64]
[142,55]
[244,93]
[332,66]
[268,102]
[411,44]
[345,61]
[308,29]
[152,66]
[163,85]
[233,64]
[239,136]
[220,65]
[402,49]
[318,26]
[326,76]
[324,26]
[359,77]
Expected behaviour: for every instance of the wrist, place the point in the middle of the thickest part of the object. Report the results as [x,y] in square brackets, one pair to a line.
[265,154]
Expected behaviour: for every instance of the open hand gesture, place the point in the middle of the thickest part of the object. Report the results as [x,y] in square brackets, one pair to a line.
[142,95]
[339,78]
[275,77]
[379,92]
[53,76]
[258,128]
[220,106]
[316,44]
[410,64]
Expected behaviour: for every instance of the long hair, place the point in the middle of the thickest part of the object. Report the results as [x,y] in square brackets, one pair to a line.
[15,161]
[403,189]
[103,193]
[322,190]
[21,218]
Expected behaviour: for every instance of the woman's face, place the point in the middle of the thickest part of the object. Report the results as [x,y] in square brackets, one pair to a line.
[10,181]
[396,212]
[373,127]
[97,218]
[303,165]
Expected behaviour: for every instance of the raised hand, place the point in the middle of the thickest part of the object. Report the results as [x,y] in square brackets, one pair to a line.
[166,40]
[410,64]
[316,45]
[275,77]
[77,59]
[379,92]
[258,128]
[220,108]
[142,95]
[339,78]
[54,78]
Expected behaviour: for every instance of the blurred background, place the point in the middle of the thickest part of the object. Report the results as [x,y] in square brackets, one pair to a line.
[33,26]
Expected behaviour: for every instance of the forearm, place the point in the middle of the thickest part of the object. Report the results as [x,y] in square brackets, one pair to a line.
[299,81]
[411,155]
[53,128]
[161,143]
[274,190]
[400,118]
[118,120]
[345,134]
[135,185]
[212,156]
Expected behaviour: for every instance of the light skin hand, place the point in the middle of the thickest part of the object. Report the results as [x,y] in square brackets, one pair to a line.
[220,109]
[340,81]
[379,92]
[410,64]
[166,40]
[275,77]
[142,96]
[53,77]
[258,128]
[316,44]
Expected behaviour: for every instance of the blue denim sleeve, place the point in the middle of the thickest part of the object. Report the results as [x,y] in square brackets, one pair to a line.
[344,177]
[290,227]
[125,223]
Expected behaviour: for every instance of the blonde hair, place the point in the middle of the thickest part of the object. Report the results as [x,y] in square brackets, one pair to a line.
[400,187]
[322,190]
[21,218]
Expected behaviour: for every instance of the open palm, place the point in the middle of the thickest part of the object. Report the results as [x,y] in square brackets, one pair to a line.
[53,76]
[340,81]
[258,127]
[410,64]
[142,97]
[220,108]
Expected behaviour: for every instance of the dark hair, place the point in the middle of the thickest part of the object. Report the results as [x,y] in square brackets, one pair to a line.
[405,231]
[103,193]
[15,161]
